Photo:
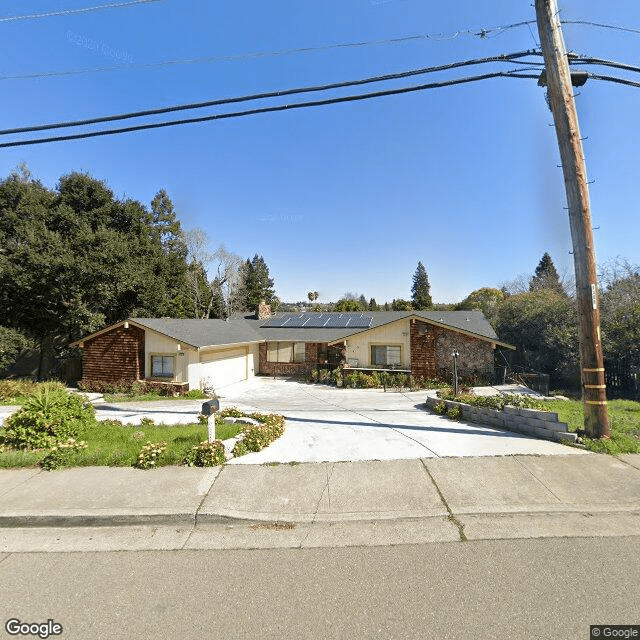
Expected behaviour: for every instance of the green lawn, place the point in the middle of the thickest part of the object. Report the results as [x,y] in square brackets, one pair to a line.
[111,444]
[624,420]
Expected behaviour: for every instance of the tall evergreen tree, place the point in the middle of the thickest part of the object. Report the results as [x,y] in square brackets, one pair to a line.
[546,277]
[257,283]
[420,291]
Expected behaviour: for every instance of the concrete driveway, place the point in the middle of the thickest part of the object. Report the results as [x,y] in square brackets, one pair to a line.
[326,424]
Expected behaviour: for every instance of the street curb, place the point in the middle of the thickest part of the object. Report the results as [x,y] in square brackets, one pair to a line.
[181,519]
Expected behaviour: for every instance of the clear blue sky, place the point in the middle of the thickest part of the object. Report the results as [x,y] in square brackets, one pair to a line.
[347,197]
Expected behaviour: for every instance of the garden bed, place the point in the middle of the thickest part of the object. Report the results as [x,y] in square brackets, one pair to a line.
[531,422]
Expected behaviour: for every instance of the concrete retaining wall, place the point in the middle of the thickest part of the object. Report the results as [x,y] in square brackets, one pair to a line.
[539,424]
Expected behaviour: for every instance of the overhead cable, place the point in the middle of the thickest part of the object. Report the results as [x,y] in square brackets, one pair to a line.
[482,33]
[630,83]
[601,25]
[68,12]
[516,73]
[580,59]
[272,94]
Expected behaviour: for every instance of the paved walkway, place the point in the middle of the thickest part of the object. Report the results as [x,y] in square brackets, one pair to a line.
[323,504]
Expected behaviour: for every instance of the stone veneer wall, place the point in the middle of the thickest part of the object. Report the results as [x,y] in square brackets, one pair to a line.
[432,346]
[115,355]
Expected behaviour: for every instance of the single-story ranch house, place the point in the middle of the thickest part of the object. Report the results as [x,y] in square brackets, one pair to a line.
[192,354]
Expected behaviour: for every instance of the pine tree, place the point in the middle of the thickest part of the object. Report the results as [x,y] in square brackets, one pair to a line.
[546,277]
[257,283]
[373,305]
[420,291]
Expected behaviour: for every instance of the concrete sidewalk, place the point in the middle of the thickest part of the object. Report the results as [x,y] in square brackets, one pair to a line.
[443,499]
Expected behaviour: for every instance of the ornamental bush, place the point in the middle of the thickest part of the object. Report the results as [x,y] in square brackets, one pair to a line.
[61,454]
[205,454]
[258,436]
[454,413]
[149,454]
[47,418]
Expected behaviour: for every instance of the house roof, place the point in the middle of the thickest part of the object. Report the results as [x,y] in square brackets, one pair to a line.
[202,333]
[206,332]
[470,322]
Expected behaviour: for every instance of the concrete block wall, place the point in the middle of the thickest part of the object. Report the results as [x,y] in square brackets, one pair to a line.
[530,422]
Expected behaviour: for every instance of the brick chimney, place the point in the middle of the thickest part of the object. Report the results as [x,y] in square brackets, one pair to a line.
[264,310]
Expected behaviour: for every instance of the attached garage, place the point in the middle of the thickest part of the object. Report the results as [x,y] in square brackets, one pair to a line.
[190,353]
[224,367]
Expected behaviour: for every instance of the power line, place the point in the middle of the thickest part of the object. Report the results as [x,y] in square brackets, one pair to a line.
[516,73]
[68,12]
[580,59]
[482,33]
[601,25]
[630,83]
[512,57]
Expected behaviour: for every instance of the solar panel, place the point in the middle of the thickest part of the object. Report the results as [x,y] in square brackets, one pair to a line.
[320,320]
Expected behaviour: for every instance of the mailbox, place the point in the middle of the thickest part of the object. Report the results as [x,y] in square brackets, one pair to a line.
[210,407]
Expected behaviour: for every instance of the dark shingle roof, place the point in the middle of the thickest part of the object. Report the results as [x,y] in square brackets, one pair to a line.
[239,330]
[472,322]
[205,332]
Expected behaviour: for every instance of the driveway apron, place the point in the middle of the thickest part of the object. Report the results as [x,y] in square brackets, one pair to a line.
[327,424]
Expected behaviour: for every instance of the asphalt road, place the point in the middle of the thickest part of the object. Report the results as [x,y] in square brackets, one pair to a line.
[521,589]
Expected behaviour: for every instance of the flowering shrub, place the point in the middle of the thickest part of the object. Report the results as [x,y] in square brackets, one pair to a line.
[205,454]
[61,454]
[149,454]
[495,402]
[231,412]
[258,436]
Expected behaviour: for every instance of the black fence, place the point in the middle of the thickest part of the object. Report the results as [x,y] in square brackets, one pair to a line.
[622,379]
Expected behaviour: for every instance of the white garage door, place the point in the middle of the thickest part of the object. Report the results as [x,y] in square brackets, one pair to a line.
[224,367]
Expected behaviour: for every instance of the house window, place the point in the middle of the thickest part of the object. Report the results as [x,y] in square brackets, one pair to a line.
[286,352]
[386,355]
[299,352]
[162,366]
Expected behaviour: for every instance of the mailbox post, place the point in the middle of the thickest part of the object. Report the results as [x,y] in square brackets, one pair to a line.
[209,409]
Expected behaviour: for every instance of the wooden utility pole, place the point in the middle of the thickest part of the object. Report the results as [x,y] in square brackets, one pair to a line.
[561,102]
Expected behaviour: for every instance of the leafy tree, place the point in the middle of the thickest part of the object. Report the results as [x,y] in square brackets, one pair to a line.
[486,300]
[362,303]
[257,283]
[401,305]
[420,291]
[76,258]
[346,304]
[546,276]
[543,325]
[620,311]
[12,343]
